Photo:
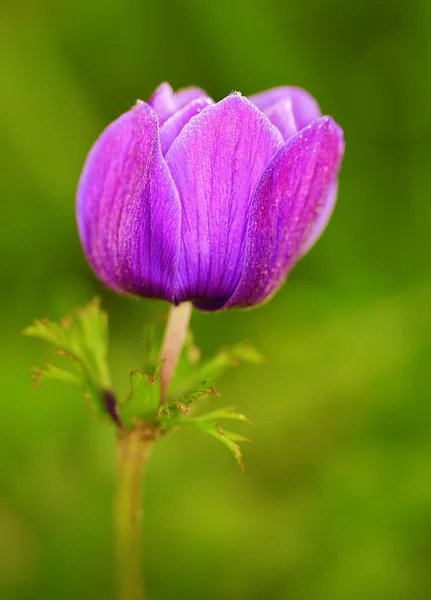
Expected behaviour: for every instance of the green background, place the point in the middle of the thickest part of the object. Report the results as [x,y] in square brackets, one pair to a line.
[335,501]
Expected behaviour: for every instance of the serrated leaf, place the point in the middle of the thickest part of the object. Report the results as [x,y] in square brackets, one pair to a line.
[144,397]
[204,389]
[84,335]
[50,371]
[234,437]
[93,334]
[209,424]
[214,367]
[176,408]
[227,413]
[227,438]
[82,338]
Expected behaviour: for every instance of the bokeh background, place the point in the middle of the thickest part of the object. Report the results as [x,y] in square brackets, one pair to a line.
[335,501]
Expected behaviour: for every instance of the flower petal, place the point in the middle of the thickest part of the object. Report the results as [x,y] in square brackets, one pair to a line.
[128,208]
[165,102]
[322,219]
[286,208]
[288,108]
[216,163]
[173,126]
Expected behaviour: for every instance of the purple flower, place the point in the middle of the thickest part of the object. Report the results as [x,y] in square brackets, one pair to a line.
[182,198]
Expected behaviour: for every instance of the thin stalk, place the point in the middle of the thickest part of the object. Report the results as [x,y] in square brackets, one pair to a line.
[133,451]
[173,342]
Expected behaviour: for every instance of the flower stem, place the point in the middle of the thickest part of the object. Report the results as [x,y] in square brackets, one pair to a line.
[173,342]
[133,451]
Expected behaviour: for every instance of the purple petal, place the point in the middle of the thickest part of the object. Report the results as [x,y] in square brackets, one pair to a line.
[173,126]
[128,208]
[322,219]
[216,163]
[287,207]
[165,102]
[290,109]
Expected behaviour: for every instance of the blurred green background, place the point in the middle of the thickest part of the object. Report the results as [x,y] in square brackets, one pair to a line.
[335,502]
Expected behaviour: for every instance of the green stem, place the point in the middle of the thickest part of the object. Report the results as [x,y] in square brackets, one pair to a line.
[133,451]
[173,342]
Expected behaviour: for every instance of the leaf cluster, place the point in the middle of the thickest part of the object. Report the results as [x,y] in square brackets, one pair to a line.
[81,340]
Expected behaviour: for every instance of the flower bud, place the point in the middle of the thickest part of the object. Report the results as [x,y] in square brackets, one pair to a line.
[182,198]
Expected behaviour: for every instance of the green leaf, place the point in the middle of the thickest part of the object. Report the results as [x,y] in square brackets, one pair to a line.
[227,413]
[142,403]
[51,371]
[83,339]
[209,424]
[174,409]
[191,372]
[228,438]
